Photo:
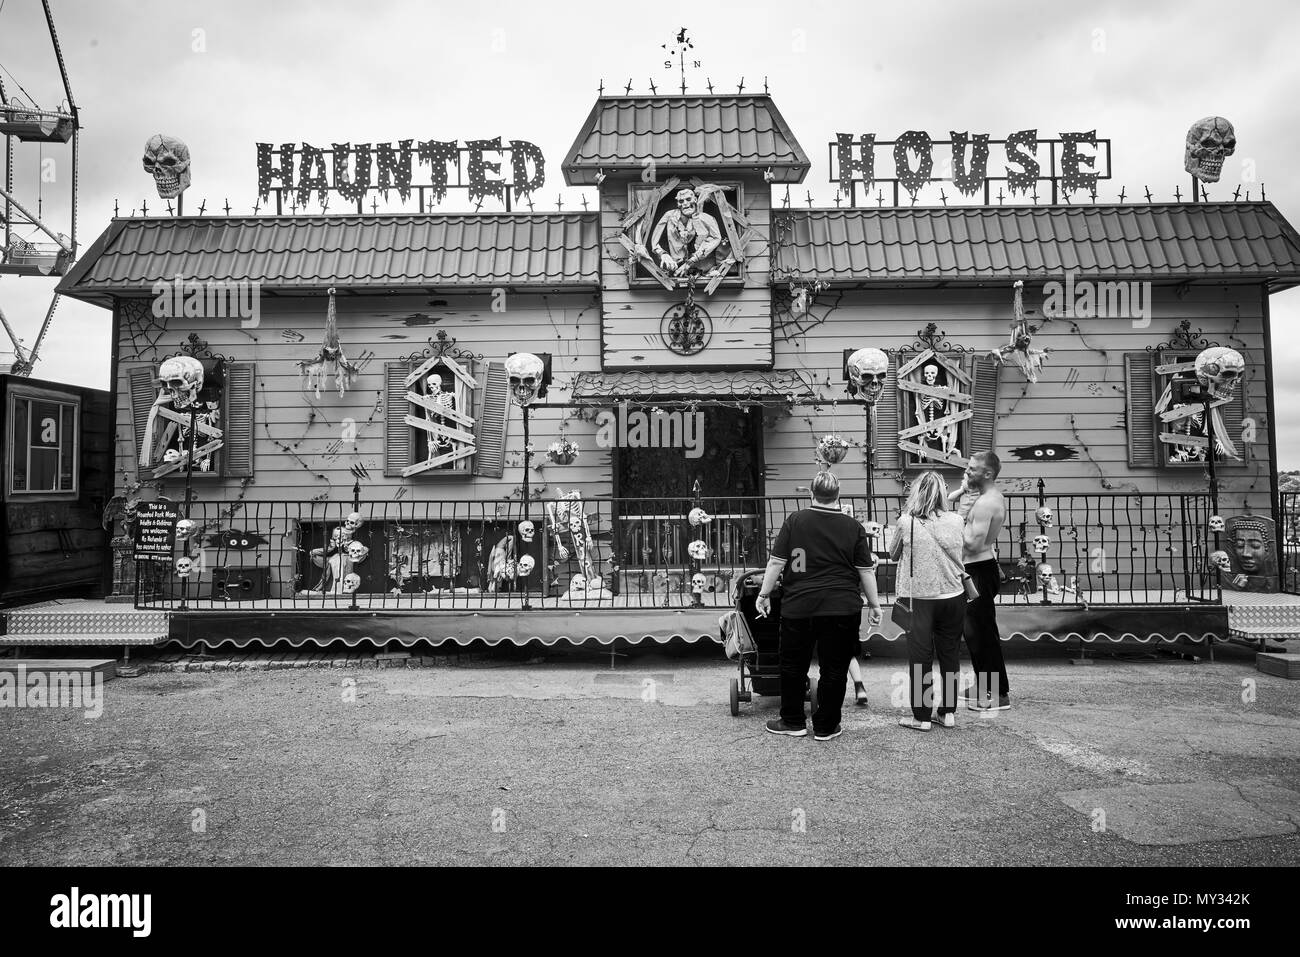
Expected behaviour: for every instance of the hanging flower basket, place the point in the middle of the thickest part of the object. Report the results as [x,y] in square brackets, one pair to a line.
[831,449]
[562,452]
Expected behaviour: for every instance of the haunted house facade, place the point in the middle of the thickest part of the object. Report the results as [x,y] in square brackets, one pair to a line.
[695,336]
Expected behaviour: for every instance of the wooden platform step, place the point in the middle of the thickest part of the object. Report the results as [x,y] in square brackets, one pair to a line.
[1281,665]
[29,666]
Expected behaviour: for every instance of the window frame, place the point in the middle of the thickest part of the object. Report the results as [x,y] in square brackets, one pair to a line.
[635,190]
[1165,356]
[63,400]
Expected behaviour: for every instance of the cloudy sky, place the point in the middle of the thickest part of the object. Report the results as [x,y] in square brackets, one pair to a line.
[225,75]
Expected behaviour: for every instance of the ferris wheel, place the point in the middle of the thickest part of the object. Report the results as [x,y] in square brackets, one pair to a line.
[32,243]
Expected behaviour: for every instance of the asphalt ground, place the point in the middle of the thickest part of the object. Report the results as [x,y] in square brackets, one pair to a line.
[597,759]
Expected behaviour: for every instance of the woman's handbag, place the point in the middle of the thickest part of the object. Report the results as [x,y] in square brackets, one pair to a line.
[901,615]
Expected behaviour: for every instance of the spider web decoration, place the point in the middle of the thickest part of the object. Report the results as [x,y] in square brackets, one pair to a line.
[142,328]
[800,308]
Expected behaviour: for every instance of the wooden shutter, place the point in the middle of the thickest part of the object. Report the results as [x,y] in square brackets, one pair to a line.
[1234,414]
[981,436]
[888,454]
[397,434]
[1139,379]
[143,387]
[237,425]
[491,422]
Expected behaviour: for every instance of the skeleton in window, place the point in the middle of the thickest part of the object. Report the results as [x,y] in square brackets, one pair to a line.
[167,432]
[439,389]
[693,238]
[930,408]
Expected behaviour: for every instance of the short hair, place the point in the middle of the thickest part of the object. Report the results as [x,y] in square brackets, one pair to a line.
[825,487]
[991,460]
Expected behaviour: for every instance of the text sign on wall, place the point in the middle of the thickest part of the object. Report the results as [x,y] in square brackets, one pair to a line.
[1069,163]
[302,171]
[155,531]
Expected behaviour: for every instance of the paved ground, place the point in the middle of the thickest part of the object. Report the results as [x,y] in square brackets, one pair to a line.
[565,761]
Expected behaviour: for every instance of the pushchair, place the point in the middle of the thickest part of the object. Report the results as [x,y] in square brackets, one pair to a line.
[754,643]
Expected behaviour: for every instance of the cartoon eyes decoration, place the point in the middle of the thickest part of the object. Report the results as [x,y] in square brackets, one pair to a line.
[1044,453]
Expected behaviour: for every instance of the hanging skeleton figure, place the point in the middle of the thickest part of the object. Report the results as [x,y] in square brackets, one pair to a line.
[567,523]
[1217,372]
[330,360]
[1019,349]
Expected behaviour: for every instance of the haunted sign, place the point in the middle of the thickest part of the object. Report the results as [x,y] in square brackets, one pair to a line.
[155,531]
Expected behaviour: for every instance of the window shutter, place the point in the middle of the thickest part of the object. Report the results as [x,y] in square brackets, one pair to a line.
[237,426]
[888,455]
[984,393]
[397,434]
[1139,377]
[1234,413]
[144,389]
[491,421]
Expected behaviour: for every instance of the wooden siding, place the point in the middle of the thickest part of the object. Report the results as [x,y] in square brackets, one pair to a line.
[741,316]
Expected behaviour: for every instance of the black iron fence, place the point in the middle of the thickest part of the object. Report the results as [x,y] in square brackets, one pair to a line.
[626,552]
[1288,541]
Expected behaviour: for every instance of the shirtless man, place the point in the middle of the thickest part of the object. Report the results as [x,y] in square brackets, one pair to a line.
[983,509]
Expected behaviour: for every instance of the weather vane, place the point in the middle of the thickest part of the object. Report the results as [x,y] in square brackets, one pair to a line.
[679,47]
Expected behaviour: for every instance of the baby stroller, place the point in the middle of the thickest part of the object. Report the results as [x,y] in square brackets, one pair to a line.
[754,643]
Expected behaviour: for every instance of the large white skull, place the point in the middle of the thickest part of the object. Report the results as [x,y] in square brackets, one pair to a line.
[931,374]
[867,371]
[1209,142]
[1217,524]
[526,531]
[698,516]
[526,565]
[351,582]
[182,377]
[575,524]
[186,528]
[578,584]
[698,549]
[872,529]
[184,567]
[167,160]
[698,583]
[358,552]
[1219,369]
[353,521]
[525,371]
[1045,573]
[1042,543]
[1044,516]
[1220,561]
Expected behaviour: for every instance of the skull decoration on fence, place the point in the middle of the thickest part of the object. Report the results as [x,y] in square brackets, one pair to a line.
[353,522]
[184,567]
[526,565]
[1209,142]
[698,516]
[698,549]
[578,585]
[873,529]
[182,378]
[1217,523]
[1220,561]
[351,582]
[358,552]
[167,160]
[1219,369]
[1044,516]
[185,529]
[1045,574]
[526,531]
[525,372]
[1041,544]
[698,583]
[867,371]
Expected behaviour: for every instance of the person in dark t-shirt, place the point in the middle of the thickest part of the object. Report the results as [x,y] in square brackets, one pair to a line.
[825,563]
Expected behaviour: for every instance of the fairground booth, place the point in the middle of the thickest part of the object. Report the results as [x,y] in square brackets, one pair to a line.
[515,424]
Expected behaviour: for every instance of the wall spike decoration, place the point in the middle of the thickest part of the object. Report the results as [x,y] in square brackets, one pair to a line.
[1019,349]
[330,360]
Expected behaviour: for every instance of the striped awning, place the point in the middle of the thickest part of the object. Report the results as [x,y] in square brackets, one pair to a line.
[740,384]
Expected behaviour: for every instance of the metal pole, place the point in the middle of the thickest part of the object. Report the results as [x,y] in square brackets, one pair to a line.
[527,508]
[189,483]
[1206,396]
[870,408]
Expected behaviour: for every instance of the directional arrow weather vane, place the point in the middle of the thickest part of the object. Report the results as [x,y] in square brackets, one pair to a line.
[678,47]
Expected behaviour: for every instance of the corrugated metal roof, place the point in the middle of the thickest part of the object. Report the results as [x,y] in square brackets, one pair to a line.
[700,384]
[381,251]
[739,131]
[1195,241]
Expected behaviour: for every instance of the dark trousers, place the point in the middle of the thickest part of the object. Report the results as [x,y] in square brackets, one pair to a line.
[835,637]
[981,632]
[936,631]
